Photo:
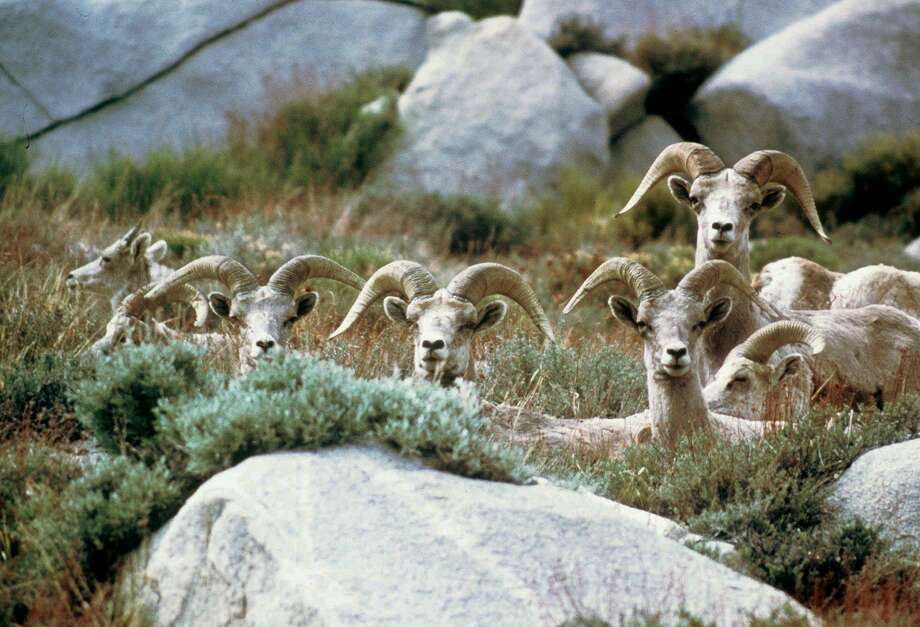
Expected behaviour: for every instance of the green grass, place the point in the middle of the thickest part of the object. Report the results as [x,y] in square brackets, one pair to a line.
[14,162]
[476,9]
[577,34]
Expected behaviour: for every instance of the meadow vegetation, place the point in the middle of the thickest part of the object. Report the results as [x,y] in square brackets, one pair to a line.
[160,420]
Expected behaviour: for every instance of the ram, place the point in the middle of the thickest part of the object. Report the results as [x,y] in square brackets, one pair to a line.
[444,320]
[122,267]
[726,201]
[671,323]
[261,316]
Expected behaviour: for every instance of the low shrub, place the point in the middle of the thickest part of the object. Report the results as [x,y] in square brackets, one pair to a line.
[577,34]
[33,395]
[14,162]
[566,382]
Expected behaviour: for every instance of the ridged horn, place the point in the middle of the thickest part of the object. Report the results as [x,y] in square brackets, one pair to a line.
[687,158]
[227,270]
[485,279]
[289,276]
[718,272]
[406,278]
[762,343]
[642,281]
[128,237]
[766,166]
[135,303]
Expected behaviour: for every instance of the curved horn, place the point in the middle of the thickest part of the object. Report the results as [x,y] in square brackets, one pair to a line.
[762,343]
[406,278]
[135,303]
[683,157]
[289,276]
[765,166]
[131,234]
[641,280]
[485,279]
[227,270]
[712,273]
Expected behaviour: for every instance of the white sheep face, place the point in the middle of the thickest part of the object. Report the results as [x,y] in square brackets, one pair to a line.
[120,266]
[262,320]
[744,388]
[670,326]
[725,204]
[443,326]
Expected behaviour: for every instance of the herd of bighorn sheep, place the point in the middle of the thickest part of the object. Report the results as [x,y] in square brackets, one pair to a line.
[719,349]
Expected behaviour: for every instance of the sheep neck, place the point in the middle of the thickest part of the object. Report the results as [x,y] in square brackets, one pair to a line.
[676,405]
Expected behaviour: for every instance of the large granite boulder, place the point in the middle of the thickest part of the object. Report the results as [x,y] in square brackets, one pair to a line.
[492,111]
[633,152]
[206,76]
[820,87]
[882,488]
[630,19]
[616,85]
[360,536]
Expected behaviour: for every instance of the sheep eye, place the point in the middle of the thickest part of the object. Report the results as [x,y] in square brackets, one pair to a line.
[740,380]
[754,206]
[106,260]
[694,200]
[699,326]
[290,321]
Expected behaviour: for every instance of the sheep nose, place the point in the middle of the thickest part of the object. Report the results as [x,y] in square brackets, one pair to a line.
[265,344]
[677,353]
[433,346]
[722,227]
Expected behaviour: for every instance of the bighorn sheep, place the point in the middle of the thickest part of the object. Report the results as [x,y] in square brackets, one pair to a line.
[444,321]
[127,264]
[796,283]
[670,323]
[726,201]
[262,315]
[749,386]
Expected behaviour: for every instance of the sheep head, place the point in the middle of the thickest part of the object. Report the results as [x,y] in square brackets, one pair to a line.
[443,321]
[670,322]
[260,316]
[726,200]
[121,265]
[747,382]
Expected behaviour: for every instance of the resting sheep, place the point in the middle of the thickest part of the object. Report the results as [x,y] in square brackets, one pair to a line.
[261,316]
[726,201]
[671,323]
[444,320]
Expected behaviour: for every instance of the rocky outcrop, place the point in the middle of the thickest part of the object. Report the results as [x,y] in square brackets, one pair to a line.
[616,85]
[634,151]
[820,87]
[360,536]
[146,78]
[882,488]
[492,111]
[630,19]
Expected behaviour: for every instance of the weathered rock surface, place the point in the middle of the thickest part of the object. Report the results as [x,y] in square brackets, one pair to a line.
[633,152]
[360,536]
[630,19]
[820,87]
[492,111]
[882,488]
[912,250]
[317,43]
[618,86]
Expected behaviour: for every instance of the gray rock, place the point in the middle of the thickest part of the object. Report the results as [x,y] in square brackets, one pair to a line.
[634,151]
[912,250]
[20,114]
[819,88]
[882,488]
[492,112]
[360,536]
[630,19]
[616,85]
[320,43]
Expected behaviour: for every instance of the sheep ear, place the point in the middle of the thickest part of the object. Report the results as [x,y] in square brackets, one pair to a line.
[220,304]
[139,245]
[395,309]
[155,252]
[718,310]
[491,314]
[773,194]
[680,189]
[623,310]
[306,303]
[787,367]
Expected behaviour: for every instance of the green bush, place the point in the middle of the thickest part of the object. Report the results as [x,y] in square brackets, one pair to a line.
[679,62]
[324,139]
[33,394]
[566,382]
[14,162]
[118,402]
[764,251]
[188,180]
[879,178]
[576,34]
